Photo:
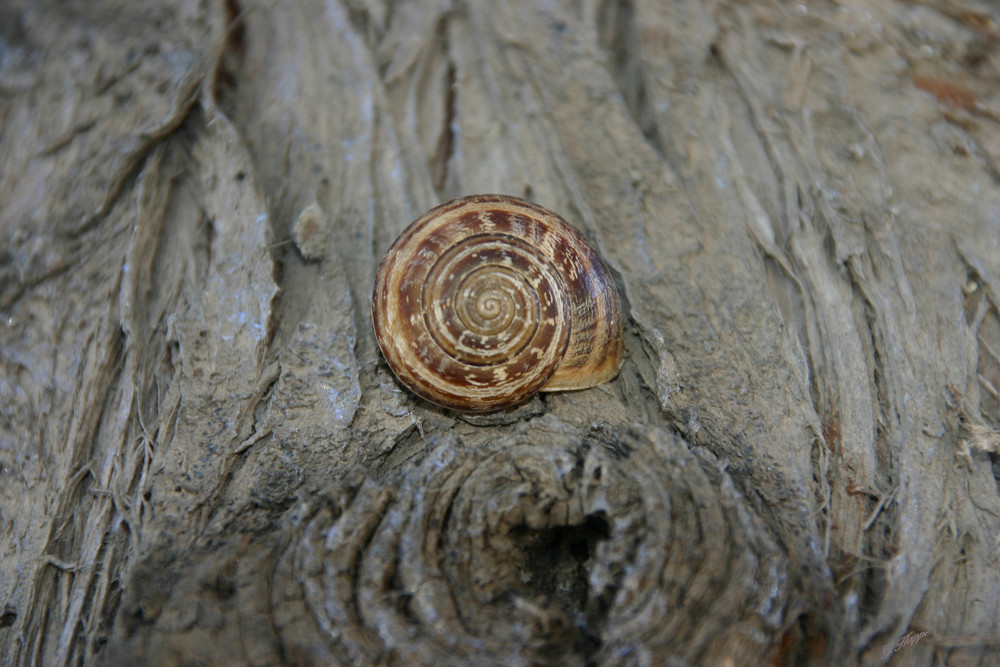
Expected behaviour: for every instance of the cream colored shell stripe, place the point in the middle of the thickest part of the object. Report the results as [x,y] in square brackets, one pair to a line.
[484,300]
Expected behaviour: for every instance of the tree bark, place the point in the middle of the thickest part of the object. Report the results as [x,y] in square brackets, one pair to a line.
[204,459]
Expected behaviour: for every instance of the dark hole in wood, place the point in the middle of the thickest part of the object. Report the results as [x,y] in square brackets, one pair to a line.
[554,570]
[7,618]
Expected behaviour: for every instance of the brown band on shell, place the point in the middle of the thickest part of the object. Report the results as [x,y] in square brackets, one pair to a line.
[484,300]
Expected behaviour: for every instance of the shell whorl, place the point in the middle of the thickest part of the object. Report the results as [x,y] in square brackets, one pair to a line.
[484,300]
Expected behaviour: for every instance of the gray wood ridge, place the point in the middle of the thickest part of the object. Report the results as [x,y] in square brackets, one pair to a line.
[205,460]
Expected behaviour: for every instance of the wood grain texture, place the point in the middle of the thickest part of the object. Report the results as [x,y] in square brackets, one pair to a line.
[204,459]
[484,300]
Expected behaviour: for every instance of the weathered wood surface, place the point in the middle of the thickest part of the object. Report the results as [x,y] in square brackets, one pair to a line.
[204,461]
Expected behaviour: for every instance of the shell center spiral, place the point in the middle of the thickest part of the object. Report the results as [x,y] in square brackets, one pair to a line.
[487,296]
[491,300]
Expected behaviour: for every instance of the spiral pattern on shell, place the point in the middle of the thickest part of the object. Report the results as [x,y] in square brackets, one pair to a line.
[484,300]
[551,548]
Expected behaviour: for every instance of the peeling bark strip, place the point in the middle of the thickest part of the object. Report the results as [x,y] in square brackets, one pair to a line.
[204,459]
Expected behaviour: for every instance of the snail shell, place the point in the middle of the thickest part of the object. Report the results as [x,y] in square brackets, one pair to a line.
[484,300]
